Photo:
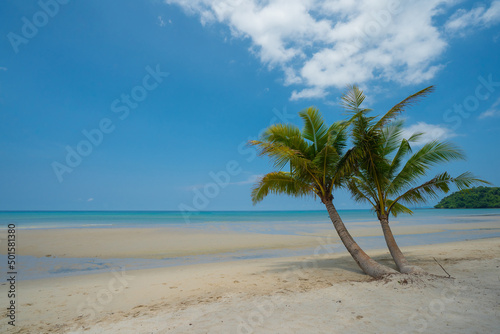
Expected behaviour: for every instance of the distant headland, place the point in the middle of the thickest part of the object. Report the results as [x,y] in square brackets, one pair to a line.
[474,198]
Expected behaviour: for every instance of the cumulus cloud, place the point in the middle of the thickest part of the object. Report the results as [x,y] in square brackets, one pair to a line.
[323,44]
[480,17]
[430,132]
[308,93]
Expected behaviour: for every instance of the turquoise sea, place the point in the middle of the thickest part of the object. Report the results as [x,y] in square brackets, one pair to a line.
[131,219]
[271,222]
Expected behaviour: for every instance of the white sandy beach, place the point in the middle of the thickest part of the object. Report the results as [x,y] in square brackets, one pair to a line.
[326,293]
[239,166]
[157,243]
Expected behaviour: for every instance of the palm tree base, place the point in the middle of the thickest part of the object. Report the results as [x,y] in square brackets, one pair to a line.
[365,262]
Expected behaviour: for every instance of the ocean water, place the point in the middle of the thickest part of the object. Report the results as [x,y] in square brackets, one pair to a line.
[137,219]
[275,222]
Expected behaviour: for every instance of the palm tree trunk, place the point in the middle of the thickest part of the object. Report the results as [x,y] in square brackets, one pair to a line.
[366,263]
[400,260]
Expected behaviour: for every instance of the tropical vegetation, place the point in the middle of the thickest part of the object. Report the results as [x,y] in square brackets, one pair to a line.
[316,162]
[387,172]
[381,167]
[474,198]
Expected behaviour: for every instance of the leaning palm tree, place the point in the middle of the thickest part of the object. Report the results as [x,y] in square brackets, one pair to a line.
[315,160]
[387,172]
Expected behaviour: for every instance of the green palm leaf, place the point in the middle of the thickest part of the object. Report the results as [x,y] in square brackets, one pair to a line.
[391,137]
[315,129]
[420,162]
[384,165]
[280,183]
[401,106]
[281,155]
[397,208]
[404,149]
[360,191]
[287,135]
[437,185]
[352,99]
[313,156]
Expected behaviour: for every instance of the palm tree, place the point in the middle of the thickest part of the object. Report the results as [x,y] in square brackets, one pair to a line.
[387,171]
[315,159]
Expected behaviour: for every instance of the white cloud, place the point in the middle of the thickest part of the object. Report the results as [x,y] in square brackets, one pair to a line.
[430,132]
[480,17]
[3,68]
[250,180]
[323,44]
[90,199]
[308,93]
[493,111]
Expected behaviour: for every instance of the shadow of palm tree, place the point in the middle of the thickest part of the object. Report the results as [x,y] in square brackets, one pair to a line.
[326,266]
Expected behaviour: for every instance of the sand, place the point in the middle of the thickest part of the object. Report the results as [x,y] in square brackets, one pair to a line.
[148,242]
[158,243]
[326,293]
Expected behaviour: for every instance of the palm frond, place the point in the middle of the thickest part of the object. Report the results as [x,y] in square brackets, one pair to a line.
[391,136]
[401,106]
[315,129]
[360,192]
[326,158]
[347,165]
[281,155]
[397,208]
[280,183]
[375,166]
[404,148]
[286,134]
[337,136]
[352,99]
[415,137]
[437,185]
[421,161]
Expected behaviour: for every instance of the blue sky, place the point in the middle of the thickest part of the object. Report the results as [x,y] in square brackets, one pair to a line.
[169,91]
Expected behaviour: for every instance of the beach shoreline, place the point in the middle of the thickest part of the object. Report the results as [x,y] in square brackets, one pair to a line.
[168,242]
[222,297]
[224,278]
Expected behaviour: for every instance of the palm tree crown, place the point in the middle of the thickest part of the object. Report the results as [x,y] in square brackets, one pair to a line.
[313,156]
[316,167]
[387,170]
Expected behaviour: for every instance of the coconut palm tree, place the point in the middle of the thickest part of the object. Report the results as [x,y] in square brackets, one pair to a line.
[315,160]
[387,172]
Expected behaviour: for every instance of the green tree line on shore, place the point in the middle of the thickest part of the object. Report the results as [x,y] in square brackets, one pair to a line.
[474,198]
